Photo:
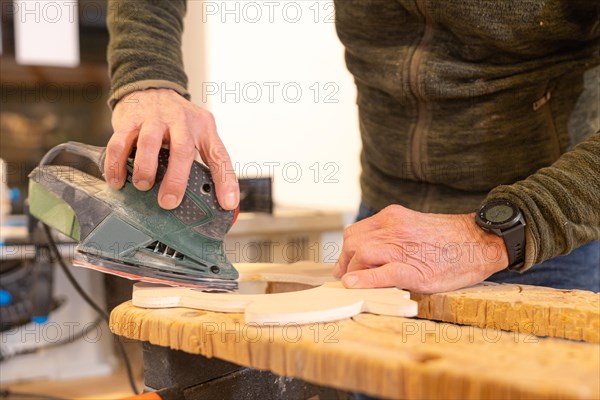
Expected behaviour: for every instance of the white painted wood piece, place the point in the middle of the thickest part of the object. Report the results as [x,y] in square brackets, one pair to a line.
[326,303]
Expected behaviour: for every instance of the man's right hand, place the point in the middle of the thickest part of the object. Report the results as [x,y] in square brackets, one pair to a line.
[150,118]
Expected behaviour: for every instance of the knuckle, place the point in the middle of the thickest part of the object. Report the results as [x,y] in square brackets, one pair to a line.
[372,277]
[132,112]
[348,231]
[391,209]
[182,138]
[150,139]
[174,115]
[206,116]
[183,151]
[218,152]
[177,181]
[143,170]
[116,145]
[203,118]
[426,279]
[126,116]
[115,150]
[153,129]
[360,256]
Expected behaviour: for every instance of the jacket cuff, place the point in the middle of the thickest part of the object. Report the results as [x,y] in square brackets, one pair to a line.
[123,91]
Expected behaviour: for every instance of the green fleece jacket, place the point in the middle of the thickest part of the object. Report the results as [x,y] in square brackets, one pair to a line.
[459,102]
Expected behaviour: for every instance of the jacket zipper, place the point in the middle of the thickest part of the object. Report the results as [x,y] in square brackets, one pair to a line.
[545,101]
[415,62]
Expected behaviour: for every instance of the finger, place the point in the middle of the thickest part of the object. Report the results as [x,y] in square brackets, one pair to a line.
[181,156]
[217,158]
[117,150]
[364,225]
[372,256]
[400,275]
[352,242]
[360,228]
[344,259]
[146,155]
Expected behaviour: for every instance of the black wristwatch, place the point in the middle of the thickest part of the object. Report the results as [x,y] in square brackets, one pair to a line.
[504,219]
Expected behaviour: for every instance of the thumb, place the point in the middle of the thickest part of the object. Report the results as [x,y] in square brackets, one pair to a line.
[389,275]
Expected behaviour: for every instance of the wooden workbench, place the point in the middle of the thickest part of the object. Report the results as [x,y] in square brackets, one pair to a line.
[410,358]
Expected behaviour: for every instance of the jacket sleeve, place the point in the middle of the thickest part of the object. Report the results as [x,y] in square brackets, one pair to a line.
[144,50]
[560,203]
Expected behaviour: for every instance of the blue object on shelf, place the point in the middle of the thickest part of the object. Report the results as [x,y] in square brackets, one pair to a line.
[15,194]
[39,319]
[5,298]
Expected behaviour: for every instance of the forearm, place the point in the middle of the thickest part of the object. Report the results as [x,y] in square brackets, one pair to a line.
[145,46]
[561,203]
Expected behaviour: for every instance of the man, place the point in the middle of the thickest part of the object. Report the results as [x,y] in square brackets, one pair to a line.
[464,106]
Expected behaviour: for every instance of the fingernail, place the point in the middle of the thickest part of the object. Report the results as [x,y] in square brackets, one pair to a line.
[350,280]
[229,201]
[143,185]
[169,201]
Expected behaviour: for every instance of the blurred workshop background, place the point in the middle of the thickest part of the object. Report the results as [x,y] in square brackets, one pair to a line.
[273,73]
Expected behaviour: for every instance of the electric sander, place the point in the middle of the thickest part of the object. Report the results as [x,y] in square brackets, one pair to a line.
[125,232]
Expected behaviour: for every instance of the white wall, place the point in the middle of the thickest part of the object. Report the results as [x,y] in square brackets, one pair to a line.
[278,130]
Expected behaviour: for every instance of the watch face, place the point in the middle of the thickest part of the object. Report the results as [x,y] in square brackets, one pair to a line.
[499,213]
[496,214]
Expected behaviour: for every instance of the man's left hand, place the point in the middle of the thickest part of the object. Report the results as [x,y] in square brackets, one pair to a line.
[424,253]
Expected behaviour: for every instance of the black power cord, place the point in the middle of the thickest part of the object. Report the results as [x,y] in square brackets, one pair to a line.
[101,312]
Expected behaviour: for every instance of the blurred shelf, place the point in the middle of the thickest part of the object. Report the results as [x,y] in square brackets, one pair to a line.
[289,219]
[29,75]
[93,42]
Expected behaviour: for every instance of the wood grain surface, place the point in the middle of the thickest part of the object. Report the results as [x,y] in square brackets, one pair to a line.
[391,357]
[489,348]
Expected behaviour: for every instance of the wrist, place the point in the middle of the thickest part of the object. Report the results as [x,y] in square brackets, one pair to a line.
[119,93]
[491,249]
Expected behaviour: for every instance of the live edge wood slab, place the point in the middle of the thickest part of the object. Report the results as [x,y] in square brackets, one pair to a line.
[542,311]
[409,358]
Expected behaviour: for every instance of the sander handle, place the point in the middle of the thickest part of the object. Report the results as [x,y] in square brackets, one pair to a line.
[96,154]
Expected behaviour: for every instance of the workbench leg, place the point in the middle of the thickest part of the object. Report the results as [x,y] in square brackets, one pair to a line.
[191,377]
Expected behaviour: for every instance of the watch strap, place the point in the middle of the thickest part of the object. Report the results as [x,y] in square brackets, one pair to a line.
[514,240]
